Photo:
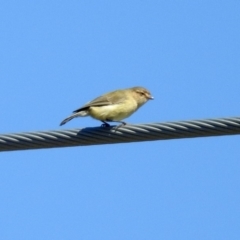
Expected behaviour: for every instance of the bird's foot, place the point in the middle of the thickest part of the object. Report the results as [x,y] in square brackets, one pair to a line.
[105,125]
[120,125]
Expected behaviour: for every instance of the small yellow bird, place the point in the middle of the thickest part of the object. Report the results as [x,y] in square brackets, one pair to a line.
[113,106]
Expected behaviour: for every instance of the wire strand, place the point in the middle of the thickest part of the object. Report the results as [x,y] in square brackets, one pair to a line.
[125,134]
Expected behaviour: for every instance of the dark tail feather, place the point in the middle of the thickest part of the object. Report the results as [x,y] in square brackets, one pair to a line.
[77,114]
[67,119]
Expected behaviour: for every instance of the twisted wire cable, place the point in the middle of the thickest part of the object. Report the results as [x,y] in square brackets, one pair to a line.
[124,134]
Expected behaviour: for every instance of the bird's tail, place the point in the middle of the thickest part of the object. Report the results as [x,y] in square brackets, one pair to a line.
[77,114]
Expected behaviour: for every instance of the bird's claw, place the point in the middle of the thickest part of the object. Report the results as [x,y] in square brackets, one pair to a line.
[105,125]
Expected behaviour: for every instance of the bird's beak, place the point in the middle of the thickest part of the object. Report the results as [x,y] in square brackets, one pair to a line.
[150,97]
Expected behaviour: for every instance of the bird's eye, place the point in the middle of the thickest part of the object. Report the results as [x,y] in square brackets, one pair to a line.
[141,93]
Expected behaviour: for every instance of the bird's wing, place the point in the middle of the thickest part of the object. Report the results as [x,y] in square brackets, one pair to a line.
[108,99]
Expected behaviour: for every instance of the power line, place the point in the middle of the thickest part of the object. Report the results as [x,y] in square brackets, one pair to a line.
[125,134]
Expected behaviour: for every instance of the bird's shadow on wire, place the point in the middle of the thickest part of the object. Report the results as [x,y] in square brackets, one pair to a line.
[95,130]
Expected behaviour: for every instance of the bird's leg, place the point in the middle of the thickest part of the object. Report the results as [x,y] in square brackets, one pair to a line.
[105,124]
[120,125]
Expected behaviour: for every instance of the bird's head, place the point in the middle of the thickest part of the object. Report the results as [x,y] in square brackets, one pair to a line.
[141,95]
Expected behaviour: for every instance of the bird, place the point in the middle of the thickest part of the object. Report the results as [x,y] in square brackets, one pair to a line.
[113,106]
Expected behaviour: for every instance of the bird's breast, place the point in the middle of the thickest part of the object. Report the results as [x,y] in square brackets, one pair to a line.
[114,112]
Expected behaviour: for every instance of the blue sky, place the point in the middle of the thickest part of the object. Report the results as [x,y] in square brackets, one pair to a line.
[57,55]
